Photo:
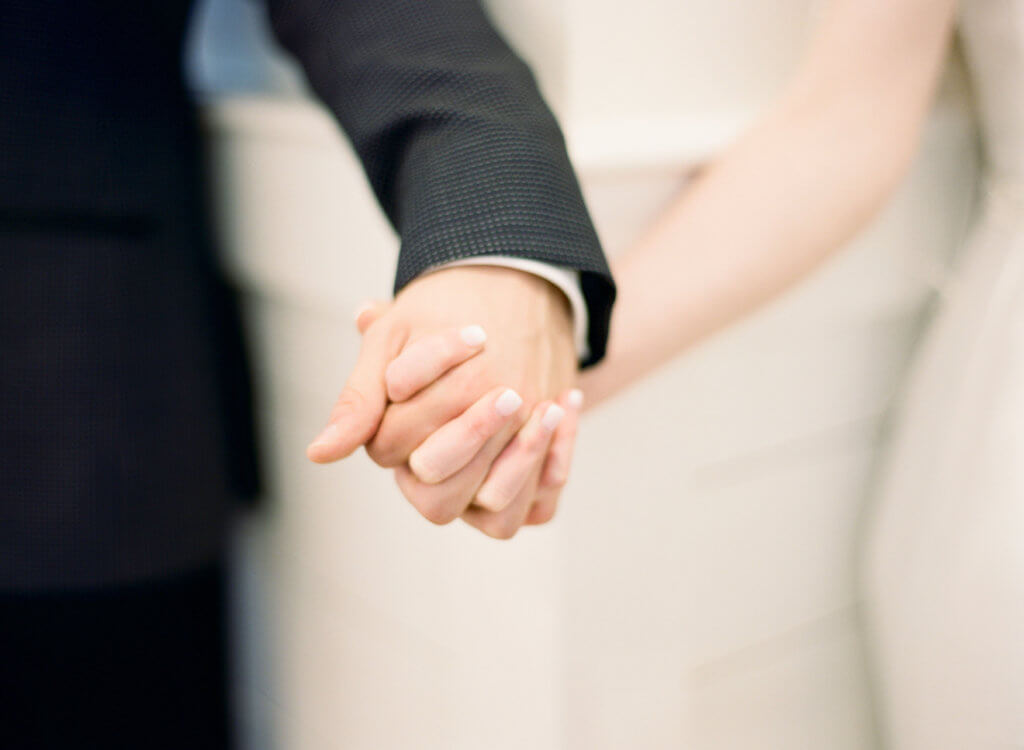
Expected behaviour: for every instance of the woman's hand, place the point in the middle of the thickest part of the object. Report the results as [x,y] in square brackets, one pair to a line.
[525,481]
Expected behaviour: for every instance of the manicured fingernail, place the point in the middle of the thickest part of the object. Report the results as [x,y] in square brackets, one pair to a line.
[329,435]
[552,417]
[507,403]
[575,398]
[473,335]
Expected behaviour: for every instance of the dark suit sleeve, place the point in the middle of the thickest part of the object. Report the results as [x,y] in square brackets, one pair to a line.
[461,150]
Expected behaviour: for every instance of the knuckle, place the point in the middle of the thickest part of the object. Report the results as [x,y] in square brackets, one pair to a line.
[556,481]
[503,528]
[385,451]
[479,428]
[448,350]
[536,442]
[394,372]
[439,510]
[544,514]
[399,384]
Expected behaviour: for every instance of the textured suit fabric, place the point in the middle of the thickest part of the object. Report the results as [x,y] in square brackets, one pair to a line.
[123,391]
[461,150]
[125,407]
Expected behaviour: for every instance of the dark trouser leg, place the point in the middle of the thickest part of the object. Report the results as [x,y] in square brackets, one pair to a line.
[140,666]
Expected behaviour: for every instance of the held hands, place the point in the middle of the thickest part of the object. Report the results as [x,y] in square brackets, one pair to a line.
[466,418]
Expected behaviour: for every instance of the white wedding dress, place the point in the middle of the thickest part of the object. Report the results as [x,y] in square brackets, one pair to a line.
[944,565]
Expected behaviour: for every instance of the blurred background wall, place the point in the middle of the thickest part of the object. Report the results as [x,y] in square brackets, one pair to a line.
[698,588]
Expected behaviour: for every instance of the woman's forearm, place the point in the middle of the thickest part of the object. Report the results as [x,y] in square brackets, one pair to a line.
[811,173]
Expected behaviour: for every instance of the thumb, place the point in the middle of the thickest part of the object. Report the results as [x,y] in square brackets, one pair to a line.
[358,411]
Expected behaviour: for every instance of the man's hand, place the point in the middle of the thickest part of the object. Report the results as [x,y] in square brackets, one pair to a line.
[529,351]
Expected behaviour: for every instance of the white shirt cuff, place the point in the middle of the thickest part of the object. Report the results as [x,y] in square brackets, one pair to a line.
[566,279]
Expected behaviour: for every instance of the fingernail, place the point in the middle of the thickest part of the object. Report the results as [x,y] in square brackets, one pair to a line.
[363,307]
[575,398]
[552,417]
[329,435]
[508,402]
[473,335]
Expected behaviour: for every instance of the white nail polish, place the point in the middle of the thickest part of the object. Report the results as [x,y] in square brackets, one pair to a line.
[552,417]
[575,398]
[473,335]
[507,403]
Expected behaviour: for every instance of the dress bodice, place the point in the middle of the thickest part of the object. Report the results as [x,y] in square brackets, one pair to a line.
[993,36]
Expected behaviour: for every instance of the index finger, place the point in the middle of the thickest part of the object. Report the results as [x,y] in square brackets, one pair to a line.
[428,358]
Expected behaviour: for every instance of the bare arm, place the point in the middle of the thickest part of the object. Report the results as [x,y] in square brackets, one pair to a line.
[805,178]
[790,192]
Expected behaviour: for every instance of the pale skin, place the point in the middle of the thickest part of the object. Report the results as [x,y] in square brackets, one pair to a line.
[444,476]
[455,412]
[805,178]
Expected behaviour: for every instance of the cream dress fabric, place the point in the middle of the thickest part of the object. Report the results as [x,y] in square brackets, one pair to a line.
[944,566]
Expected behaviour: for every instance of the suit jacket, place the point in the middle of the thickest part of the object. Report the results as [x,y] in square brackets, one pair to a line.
[125,406]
